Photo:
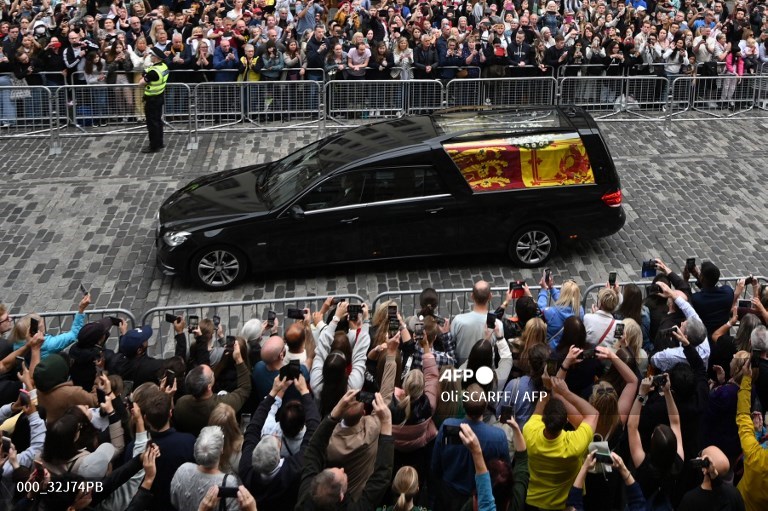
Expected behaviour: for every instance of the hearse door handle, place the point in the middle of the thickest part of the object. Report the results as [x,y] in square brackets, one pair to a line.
[350,220]
[434,210]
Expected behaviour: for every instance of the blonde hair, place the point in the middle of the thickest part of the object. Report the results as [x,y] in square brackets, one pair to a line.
[413,385]
[406,486]
[380,321]
[607,299]
[535,333]
[21,328]
[633,337]
[224,417]
[570,296]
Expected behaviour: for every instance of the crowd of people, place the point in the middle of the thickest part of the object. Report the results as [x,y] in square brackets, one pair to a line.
[51,43]
[650,401]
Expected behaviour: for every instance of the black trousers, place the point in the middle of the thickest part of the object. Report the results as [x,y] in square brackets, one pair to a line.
[153,108]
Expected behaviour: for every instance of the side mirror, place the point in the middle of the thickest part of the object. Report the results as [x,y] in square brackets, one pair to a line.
[297,213]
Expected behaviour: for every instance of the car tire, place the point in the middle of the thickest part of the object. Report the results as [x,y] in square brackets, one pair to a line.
[219,267]
[532,246]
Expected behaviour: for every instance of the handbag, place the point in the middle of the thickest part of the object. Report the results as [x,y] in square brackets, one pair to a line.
[462,73]
[19,89]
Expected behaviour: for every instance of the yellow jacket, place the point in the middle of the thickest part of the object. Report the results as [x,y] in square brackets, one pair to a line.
[753,487]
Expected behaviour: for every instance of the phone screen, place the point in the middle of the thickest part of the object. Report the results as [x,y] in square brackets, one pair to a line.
[34,326]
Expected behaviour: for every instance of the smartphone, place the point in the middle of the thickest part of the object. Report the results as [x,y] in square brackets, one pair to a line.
[659,380]
[667,333]
[19,364]
[506,413]
[216,322]
[745,304]
[749,281]
[354,310]
[34,327]
[440,321]
[6,445]
[170,377]
[194,322]
[585,355]
[392,311]
[228,492]
[127,387]
[603,458]
[418,332]
[365,397]
[230,342]
[83,290]
[700,463]
[654,289]
[39,471]
[245,419]
[294,314]
[170,318]
[451,435]
[612,279]
[271,319]
[552,366]
[291,370]
[24,397]
[101,396]
[754,361]
[517,289]
[648,269]
[115,321]
[394,326]
[618,331]
[547,274]
[690,264]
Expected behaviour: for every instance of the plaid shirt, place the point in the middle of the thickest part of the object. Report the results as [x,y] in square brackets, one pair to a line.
[443,358]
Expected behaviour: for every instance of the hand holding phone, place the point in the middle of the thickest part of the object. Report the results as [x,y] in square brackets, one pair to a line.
[271,315]
[83,290]
[34,327]
[194,322]
[612,278]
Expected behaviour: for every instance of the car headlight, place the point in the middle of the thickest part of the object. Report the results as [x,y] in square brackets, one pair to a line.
[176,238]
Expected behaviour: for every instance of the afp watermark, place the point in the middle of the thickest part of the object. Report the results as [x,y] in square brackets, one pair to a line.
[484,375]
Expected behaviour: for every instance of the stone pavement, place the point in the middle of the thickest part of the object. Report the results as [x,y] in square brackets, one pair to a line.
[694,189]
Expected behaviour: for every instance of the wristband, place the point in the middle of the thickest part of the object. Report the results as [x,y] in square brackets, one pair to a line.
[642,399]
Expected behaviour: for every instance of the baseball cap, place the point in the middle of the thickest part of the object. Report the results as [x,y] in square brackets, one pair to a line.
[134,339]
[93,332]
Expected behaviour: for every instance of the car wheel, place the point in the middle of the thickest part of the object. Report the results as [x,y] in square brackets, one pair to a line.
[532,246]
[218,268]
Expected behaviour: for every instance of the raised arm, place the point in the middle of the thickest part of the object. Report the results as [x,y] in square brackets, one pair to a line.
[674,416]
[588,412]
[627,397]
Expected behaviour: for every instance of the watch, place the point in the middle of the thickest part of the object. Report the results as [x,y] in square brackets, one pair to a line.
[642,399]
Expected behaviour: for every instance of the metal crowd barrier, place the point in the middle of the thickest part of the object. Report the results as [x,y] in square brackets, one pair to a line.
[60,322]
[589,297]
[501,91]
[85,110]
[233,315]
[450,301]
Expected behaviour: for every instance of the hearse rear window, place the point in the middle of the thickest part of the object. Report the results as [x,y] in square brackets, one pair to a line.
[528,161]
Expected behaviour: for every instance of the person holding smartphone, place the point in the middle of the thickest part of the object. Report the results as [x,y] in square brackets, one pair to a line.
[51,343]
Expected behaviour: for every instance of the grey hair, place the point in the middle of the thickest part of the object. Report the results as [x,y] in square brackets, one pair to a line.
[209,446]
[197,381]
[695,331]
[266,455]
[759,338]
[251,330]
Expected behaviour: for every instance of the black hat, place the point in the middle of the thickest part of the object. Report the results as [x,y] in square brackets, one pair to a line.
[157,52]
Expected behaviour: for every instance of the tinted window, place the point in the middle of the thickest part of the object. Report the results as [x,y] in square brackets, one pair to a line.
[405,183]
[339,191]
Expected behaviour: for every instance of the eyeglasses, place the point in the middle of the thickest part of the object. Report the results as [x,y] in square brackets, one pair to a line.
[5,320]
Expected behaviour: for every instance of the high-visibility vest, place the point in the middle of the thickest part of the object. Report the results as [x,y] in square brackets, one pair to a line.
[158,86]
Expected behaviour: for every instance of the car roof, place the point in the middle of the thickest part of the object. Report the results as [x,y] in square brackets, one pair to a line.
[379,141]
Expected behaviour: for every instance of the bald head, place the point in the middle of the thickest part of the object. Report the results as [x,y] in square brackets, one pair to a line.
[294,337]
[717,458]
[481,293]
[272,349]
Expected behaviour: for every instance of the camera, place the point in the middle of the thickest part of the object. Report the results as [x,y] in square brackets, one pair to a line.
[660,380]
[170,318]
[700,463]
[291,371]
[648,268]
[451,435]
[654,289]
[667,333]
[749,281]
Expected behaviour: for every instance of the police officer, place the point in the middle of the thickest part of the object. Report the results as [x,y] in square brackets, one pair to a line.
[154,79]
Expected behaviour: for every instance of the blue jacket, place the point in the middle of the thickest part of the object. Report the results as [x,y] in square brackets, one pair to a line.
[227,69]
[713,305]
[56,343]
[453,463]
[555,316]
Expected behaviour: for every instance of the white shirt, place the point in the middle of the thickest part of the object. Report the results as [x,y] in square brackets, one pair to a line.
[666,359]
[597,324]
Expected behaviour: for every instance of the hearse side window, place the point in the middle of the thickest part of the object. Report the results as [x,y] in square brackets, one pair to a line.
[404,183]
[344,190]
